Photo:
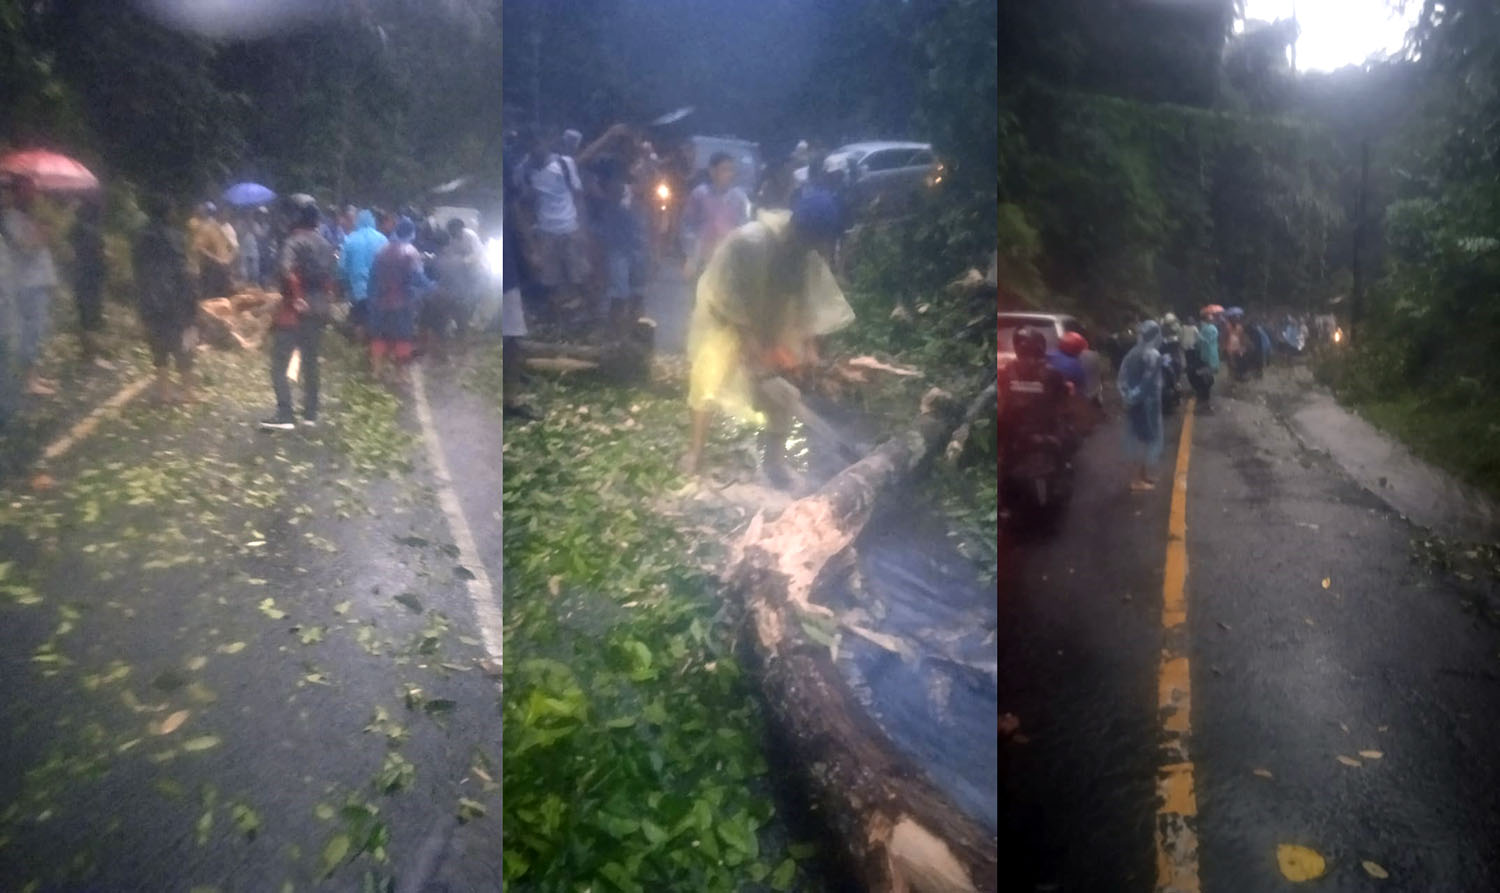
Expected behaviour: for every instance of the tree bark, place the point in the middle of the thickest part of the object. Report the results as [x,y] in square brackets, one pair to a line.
[624,357]
[901,832]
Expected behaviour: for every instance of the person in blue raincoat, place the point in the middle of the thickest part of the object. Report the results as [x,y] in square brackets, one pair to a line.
[355,263]
[1140,392]
[1208,351]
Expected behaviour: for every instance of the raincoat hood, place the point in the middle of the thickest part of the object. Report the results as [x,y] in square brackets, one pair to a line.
[364,220]
[1150,333]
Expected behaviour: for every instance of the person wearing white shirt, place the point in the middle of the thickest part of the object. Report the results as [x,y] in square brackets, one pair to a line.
[550,187]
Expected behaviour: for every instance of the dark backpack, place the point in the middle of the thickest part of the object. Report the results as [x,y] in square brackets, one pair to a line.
[311,272]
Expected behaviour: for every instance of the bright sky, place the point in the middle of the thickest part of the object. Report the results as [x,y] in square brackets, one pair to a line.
[1336,33]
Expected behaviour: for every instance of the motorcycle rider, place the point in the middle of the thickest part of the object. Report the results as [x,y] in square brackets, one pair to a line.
[1067,358]
[1033,405]
[1033,394]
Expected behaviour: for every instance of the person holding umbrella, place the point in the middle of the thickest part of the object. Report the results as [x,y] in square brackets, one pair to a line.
[35,281]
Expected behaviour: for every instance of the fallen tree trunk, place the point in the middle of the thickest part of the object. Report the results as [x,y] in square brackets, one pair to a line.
[540,349]
[624,357]
[902,832]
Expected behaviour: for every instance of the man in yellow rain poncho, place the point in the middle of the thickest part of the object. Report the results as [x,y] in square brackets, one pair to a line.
[764,299]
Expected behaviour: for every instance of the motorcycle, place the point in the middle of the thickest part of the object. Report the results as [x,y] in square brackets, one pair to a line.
[1036,461]
[1037,482]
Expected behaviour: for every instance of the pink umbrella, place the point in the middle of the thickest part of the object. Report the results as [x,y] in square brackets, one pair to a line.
[50,171]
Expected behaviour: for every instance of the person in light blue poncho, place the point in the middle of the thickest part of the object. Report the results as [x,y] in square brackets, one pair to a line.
[1140,392]
[356,262]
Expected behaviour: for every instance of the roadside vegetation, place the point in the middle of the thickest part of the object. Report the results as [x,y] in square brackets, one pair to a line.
[636,749]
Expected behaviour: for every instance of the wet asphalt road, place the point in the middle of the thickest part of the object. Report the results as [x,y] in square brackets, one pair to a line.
[332,700]
[1286,675]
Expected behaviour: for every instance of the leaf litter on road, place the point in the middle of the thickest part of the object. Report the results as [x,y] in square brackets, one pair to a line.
[1349,761]
[1374,869]
[170,724]
[1299,863]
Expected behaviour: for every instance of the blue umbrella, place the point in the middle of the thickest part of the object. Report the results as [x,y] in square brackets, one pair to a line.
[1234,312]
[248,194]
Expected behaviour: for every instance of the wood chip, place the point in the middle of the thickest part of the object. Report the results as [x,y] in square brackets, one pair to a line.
[171,723]
[1349,761]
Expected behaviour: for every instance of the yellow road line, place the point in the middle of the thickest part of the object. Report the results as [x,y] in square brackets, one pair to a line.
[88,423]
[1177,806]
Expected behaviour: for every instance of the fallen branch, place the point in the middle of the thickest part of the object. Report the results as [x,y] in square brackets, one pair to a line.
[987,403]
[902,832]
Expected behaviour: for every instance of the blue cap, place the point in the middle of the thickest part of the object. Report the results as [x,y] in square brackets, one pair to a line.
[405,230]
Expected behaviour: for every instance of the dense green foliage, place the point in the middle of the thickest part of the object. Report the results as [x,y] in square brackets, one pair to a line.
[1424,362]
[1139,206]
[376,101]
[1369,192]
[1150,161]
[633,741]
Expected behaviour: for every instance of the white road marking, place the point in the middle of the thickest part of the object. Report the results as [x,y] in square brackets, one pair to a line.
[88,423]
[485,596]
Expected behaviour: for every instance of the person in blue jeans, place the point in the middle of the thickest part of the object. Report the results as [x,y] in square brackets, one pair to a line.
[33,282]
[308,272]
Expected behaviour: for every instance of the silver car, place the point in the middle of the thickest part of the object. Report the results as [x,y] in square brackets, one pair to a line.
[1052,325]
[882,178]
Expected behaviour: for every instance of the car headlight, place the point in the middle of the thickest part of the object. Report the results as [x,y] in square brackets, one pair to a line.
[494,255]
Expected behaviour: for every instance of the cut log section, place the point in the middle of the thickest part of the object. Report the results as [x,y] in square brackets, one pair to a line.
[239,322]
[625,357]
[902,833]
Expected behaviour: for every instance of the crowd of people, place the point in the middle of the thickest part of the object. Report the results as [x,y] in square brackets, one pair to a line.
[391,282]
[591,225]
[1059,388]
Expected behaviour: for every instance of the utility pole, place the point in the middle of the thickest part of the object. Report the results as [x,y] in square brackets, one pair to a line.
[1297,29]
[1357,300]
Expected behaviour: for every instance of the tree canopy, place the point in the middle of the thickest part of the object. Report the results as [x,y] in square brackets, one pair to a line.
[367,99]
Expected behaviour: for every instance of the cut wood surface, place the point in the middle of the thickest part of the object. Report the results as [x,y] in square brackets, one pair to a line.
[239,322]
[902,833]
